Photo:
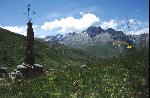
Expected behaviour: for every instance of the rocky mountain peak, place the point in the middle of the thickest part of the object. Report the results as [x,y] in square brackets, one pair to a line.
[93,31]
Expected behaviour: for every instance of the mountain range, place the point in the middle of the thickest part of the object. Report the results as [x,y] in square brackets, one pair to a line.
[98,41]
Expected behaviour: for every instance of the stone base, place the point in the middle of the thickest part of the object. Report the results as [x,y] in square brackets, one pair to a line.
[26,71]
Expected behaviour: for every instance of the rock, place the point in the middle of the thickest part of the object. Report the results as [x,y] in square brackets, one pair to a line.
[3,72]
[27,70]
[37,68]
[21,66]
[15,75]
[83,66]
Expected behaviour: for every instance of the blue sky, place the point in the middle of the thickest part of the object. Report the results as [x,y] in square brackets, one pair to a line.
[61,13]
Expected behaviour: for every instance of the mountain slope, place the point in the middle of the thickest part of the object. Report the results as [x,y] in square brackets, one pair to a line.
[50,55]
[94,40]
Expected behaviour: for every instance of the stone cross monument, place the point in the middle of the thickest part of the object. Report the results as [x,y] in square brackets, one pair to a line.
[29,67]
[29,59]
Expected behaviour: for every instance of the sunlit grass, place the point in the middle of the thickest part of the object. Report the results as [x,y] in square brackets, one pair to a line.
[116,80]
[126,76]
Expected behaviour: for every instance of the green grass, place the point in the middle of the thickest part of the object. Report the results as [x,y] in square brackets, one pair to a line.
[115,80]
[99,48]
[12,52]
[126,76]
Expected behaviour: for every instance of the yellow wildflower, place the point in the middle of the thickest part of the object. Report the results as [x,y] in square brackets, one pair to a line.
[129,47]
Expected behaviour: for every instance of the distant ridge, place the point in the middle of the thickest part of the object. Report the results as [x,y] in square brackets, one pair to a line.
[93,38]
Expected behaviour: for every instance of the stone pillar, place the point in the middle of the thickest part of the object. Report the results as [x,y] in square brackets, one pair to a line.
[29,59]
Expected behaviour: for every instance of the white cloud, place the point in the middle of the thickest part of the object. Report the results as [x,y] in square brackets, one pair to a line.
[71,24]
[137,32]
[132,21]
[81,13]
[135,27]
[17,29]
[109,24]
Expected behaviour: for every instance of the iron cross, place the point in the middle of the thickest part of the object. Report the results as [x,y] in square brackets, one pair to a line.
[29,12]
